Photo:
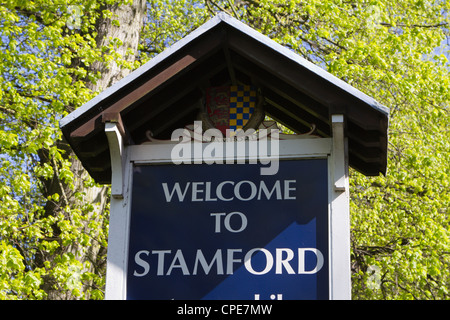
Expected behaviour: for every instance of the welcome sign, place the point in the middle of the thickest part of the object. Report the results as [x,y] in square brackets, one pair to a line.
[184,222]
[226,232]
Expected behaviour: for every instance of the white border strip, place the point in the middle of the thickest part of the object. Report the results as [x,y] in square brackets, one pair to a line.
[293,148]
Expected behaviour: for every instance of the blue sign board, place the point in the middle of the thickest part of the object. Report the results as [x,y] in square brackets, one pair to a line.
[226,232]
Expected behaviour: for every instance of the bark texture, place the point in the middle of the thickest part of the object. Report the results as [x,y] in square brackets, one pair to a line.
[130,18]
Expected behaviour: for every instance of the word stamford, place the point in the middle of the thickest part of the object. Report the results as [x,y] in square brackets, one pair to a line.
[223,262]
[229,190]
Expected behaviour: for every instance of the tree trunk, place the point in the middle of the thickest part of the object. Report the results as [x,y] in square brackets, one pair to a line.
[130,18]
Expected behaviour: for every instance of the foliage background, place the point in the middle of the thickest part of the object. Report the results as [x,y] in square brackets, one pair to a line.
[395,51]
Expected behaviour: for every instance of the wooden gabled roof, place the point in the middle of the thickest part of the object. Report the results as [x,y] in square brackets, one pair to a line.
[167,93]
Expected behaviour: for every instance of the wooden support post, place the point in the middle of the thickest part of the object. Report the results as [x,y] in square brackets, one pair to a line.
[119,219]
[340,288]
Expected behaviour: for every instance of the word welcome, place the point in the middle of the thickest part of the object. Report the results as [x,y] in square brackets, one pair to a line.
[244,190]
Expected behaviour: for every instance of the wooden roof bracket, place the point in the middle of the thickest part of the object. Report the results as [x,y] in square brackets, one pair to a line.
[340,162]
[116,135]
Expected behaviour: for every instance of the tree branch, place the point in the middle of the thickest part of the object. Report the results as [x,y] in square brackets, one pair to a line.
[437,25]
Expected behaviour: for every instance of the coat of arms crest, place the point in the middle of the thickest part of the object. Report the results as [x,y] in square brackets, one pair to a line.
[232,107]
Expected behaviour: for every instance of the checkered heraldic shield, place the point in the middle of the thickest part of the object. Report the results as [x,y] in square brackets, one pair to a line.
[233,108]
